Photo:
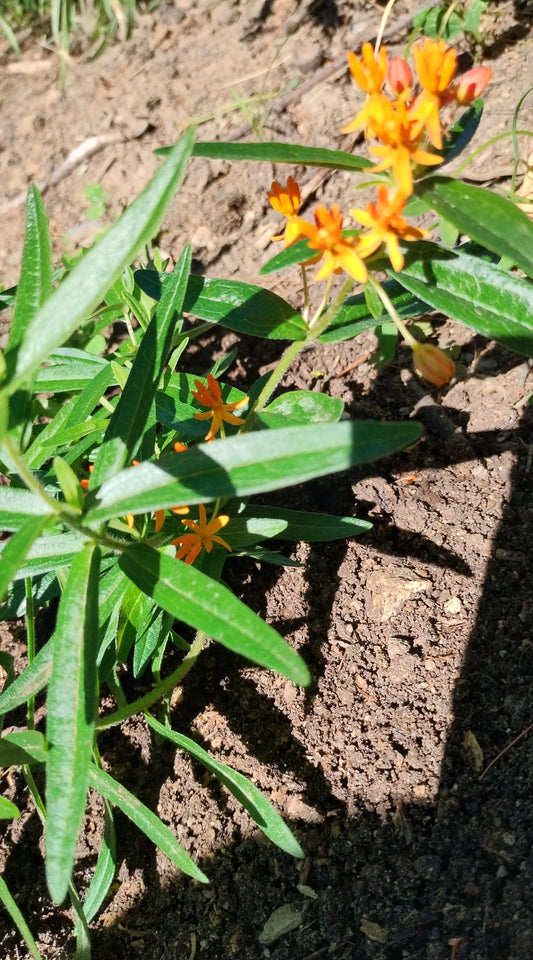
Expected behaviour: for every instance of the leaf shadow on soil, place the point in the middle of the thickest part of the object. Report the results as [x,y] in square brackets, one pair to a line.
[424,873]
[432,874]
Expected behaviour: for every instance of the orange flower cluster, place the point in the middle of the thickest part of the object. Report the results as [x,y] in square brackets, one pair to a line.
[409,129]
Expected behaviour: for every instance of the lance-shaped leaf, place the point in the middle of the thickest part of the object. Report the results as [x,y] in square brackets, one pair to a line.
[35,285]
[18,919]
[239,306]
[131,413]
[493,221]
[482,295]
[259,808]
[145,820]
[71,714]
[84,288]
[257,522]
[30,682]
[203,603]
[16,548]
[278,153]
[253,463]
[301,406]
[17,505]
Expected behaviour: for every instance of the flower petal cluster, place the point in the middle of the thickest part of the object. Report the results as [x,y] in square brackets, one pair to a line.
[286,200]
[203,535]
[386,226]
[432,363]
[339,253]
[220,412]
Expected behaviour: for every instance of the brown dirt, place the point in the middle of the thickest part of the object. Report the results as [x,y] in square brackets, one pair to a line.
[418,635]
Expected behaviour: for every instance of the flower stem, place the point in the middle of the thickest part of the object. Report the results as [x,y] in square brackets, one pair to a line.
[143,703]
[392,311]
[30,634]
[272,382]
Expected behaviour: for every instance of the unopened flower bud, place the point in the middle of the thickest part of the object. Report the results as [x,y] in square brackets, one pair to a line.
[433,364]
[472,84]
[399,75]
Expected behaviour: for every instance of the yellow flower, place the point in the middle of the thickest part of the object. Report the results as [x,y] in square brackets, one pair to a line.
[435,66]
[220,412]
[286,200]
[432,364]
[204,535]
[324,235]
[399,133]
[368,73]
[386,226]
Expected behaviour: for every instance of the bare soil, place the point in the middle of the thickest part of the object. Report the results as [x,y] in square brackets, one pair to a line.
[405,770]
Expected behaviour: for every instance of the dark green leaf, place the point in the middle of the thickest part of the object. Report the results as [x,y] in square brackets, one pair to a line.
[461,132]
[310,527]
[301,407]
[14,551]
[252,463]
[486,217]
[85,286]
[14,912]
[497,304]
[279,153]
[8,810]
[239,306]
[194,598]
[145,820]
[71,713]
[22,746]
[354,317]
[131,413]
[104,873]
[296,253]
[30,682]
[259,808]
[35,284]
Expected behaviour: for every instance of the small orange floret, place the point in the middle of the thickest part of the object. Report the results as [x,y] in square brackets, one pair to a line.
[203,535]
[220,412]
[399,75]
[472,84]
[325,236]
[386,226]
[369,73]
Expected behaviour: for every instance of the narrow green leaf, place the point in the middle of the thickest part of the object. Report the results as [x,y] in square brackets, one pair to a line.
[145,820]
[104,873]
[296,253]
[252,463]
[131,413]
[278,153]
[35,284]
[84,288]
[50,552]
[14,912]
[354,317]
[15,549]
[259,808]
[491,220]
[30,682]
[22,746]
[194,598]
[17,505]
[71,713]
[8,810]
[310,527]
[497,304]
[80,408]
[301,407]
[242,307]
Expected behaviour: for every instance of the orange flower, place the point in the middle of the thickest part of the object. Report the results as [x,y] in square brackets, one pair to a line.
[399,133]
[339,252]
[86,480]
[386,226]
[432,364]
[204,535]
[286,200]
[211,396]
[435,66]
[368,73]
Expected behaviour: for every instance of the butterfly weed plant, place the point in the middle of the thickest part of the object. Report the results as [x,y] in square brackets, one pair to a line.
[130,483]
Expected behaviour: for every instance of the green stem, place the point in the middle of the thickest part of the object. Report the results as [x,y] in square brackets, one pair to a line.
[272,382]
[30,634]
[320,323]
[143,703]
[393,313]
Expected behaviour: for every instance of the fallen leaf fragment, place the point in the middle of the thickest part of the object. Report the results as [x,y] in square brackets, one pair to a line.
[373,930]
[284,920]
[472,747]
